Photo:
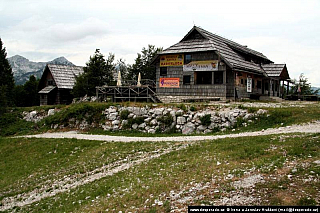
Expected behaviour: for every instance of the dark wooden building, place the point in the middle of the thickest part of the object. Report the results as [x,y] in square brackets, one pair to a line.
[56,84]
[207,66]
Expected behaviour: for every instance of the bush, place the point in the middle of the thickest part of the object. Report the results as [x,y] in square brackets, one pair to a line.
[167,120]
[205,120]
[182,106]
[138,120]
[124,114]
[193,108]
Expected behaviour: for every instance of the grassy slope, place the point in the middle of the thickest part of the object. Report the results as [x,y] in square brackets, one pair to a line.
[24,167]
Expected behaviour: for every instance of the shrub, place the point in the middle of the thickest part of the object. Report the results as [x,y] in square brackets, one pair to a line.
[124,114]
[205,120]
[137,120]
[182,106]
[193,108]
[167,119]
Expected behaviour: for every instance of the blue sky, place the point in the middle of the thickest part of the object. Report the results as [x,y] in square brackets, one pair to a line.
[286,31]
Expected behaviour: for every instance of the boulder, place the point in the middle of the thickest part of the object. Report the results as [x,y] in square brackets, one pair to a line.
[188,128]
[181,120]
[51,112]
[113,116]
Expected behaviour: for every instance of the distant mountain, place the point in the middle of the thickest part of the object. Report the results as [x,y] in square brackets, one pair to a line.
[23,68]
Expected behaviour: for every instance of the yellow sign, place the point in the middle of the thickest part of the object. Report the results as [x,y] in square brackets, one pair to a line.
[171,60]
[169,82]
[211,65]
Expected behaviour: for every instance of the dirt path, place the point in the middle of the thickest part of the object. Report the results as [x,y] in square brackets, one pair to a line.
[313,127]
[73,181]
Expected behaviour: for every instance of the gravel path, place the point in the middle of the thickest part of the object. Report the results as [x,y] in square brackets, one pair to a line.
[313,127]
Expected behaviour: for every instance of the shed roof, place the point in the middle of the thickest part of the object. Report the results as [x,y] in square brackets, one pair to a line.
[230,51]
[47,89]
[276,70]
[63,75]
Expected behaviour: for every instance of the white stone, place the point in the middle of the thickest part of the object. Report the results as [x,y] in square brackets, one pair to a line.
[51,112]
[113,116]
[135,126]
[188,128]
[115,122]
[181,120]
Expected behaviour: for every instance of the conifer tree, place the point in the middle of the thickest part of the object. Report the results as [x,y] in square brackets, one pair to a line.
[143,64]
[6,79]
[98,72]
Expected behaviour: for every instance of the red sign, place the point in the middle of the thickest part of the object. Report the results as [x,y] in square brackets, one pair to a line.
[169,82]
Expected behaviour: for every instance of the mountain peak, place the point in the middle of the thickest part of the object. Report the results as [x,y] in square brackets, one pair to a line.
[61,60]
[18,59]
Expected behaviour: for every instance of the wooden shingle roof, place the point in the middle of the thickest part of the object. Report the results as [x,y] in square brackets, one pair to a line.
[230,51]
[63,75]
[276,70]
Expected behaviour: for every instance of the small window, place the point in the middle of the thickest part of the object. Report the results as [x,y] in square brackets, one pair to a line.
[163,71]
[50,82]
[218,77]
[252,83]
[187,59]
[259,83]
[241,80]
[186,79]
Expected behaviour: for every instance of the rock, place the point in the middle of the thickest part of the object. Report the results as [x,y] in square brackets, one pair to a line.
[124,122]
[115,122]
[147,120]
[179,112]
[212,126]
[181,120]
[188,128]
[207,131]
[153,122]
[135,126]
[51,112]
[158,111]
[201,128]
[317,162]
[113,116]
[261,111]
[112,109]
[151,131]
[142,126]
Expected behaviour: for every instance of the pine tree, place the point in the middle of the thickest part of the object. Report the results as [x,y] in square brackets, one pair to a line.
[98,72]
[143,64]
[6,79]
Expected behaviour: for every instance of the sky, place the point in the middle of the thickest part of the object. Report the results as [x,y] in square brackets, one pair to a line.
[286,31]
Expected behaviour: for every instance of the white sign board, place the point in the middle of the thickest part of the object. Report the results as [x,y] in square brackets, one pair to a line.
[211,65]
[249,84]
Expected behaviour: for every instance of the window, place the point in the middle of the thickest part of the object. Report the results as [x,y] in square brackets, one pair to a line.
[252,83]
[50,82]
[203,77]
[259,83]
[163,71]
[241,80]
[187,59]
[218,77]
[186,79]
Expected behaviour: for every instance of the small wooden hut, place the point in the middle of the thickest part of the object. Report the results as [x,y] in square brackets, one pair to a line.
[56,84]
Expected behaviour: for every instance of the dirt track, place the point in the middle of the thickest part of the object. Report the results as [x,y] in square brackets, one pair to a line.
[313,127]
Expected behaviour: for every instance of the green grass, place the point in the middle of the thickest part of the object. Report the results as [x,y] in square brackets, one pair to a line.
[25,161]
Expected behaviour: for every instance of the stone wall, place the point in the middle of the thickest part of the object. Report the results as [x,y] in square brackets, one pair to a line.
[158,119]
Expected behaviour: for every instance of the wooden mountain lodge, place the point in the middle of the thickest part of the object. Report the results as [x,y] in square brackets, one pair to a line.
[56,84]
[206,66]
